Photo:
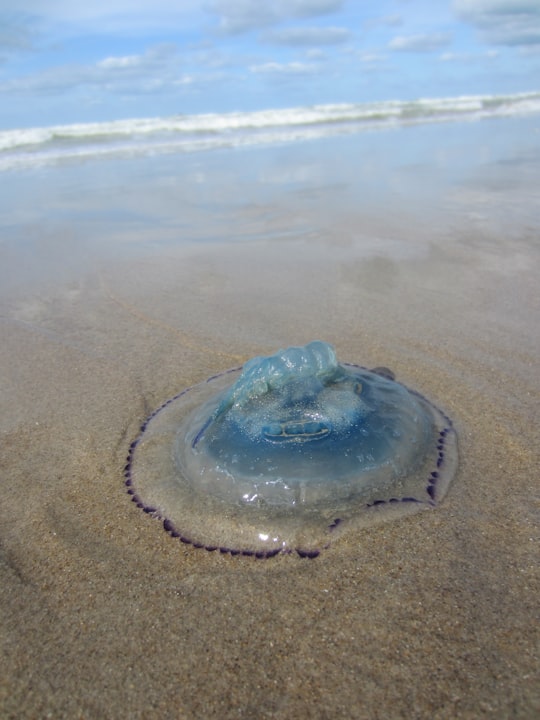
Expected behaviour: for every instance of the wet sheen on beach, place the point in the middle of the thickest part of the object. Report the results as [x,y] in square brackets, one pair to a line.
[125,279]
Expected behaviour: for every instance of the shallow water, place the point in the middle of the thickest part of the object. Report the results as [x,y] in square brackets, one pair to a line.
[123,282]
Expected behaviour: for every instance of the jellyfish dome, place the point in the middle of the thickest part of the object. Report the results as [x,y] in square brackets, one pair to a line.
[289,451]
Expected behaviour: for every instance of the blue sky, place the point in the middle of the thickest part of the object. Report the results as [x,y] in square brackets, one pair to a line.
[65,61]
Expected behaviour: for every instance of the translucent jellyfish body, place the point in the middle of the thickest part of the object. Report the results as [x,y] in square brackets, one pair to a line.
[287,452]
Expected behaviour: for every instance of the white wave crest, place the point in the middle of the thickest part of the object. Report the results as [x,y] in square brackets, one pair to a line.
[192,133]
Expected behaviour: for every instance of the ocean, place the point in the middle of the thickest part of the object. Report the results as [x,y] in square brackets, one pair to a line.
[40,146]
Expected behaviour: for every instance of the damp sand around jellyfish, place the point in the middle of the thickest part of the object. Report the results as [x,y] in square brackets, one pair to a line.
[288,452]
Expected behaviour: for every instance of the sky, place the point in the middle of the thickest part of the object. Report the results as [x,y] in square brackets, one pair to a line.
[72,61]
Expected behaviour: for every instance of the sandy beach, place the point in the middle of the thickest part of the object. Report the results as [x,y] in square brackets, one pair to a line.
[124,281]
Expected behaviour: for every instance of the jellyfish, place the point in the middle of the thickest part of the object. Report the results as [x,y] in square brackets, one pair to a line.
[289,452]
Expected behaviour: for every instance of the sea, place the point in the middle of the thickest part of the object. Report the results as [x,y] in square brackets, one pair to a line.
[41,146]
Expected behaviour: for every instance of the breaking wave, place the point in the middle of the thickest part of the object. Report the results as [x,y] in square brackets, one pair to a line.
[194,133]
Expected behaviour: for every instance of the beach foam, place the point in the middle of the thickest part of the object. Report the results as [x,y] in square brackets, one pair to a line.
[39,146]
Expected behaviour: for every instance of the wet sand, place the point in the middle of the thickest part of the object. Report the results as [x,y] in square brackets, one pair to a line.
[124,282]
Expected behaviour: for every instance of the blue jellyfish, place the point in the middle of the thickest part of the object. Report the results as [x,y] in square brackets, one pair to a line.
[288,452]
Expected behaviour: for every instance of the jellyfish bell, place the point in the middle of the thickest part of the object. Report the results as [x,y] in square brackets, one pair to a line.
[298,428]
[274,456]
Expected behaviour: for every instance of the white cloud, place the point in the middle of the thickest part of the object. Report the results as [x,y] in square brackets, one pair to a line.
[157,59]
[120,62]
[308,8]
[70,18]
[315,54]
[237,16]
[503,22]
[427,42]
[369,58]
[154,70]
[497,6]
[84,12]
[292,68]
[464,57]
[391,20]
[308,36]
[211,57]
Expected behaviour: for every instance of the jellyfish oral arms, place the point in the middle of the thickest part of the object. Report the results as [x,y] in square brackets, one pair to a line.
[289,451]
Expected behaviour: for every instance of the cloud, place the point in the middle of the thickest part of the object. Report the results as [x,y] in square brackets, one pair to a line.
[308,36]
[369,58]
[127,61]
[391,20]
[308,8]
[237,16]
[292,68]
[315,54]
[420,43]
[383,21]
[14,37]
[156,59]
[121,17]
[17,33]
[465,57]
[155,70]
[83,12]
[502,22]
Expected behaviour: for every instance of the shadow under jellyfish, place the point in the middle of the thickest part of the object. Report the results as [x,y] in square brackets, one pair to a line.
[288,451]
